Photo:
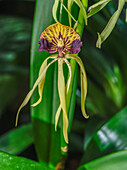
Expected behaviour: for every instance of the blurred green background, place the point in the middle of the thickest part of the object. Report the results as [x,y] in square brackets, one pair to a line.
[105,131]
[16,19]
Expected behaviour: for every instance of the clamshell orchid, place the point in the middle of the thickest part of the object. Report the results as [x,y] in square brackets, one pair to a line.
[63,39]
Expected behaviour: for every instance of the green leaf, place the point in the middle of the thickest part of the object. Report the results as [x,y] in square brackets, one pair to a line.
[113,161]
[10,162]
[47,141]
[92,10]
[12,142]
[109,138]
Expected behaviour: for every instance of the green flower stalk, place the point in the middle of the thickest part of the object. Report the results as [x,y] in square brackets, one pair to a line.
[63,39]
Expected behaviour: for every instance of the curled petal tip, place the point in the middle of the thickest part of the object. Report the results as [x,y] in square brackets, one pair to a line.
[55,128]
[64,149]
[85,115]
[35,104]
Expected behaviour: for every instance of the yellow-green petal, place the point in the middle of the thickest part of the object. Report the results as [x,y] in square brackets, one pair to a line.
[69,13]
[126,16]
[61,7]
[41,84]
[83,82]
[69,79]
[57,116]
[93,9]
[80,4]
[66,91]
[69,5]
[83,92]
[61,90]
[27,98]
[54,9]
[111,24]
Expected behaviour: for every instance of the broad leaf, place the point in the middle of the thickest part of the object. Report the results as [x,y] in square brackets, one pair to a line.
[9,162]
[47,141]
[111,137]
[113,161]
[16,140]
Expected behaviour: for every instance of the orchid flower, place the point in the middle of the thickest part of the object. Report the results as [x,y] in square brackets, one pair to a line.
[64,39]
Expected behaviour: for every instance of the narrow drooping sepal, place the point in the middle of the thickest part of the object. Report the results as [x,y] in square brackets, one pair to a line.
[70,3]
[70,74]
[41,84]
[93,9]
[83,82]
[66,92]
[57,116]
[81,6]
[27,98]
[61,90]
[54,9]
[111,24]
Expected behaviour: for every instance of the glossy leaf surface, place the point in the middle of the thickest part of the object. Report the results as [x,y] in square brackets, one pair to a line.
[9,162]
[111,137]
[16,140]
[113,161]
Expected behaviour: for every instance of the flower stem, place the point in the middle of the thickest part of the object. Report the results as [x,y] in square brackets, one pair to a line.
[79,30]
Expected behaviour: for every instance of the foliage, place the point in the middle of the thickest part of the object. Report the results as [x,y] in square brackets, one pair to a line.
[98,142]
